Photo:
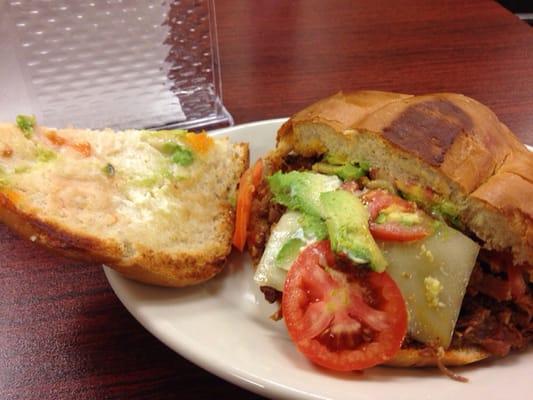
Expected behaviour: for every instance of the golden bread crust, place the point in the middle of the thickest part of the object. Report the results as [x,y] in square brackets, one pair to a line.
[512,196]
[53,236]
[445,129]
[147,266]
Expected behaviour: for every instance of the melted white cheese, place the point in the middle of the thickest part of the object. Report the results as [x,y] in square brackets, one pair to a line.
[432,275]
[267,273]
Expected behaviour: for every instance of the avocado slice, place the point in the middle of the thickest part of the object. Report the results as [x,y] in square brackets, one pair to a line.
[289,253]
[300,191]
[345,216]
[347,222]
[345,171]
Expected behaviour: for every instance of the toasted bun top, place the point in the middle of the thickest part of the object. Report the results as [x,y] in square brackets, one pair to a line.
[444,129]
[459,145]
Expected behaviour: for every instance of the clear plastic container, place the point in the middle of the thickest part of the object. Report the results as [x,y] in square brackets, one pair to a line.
[112,63]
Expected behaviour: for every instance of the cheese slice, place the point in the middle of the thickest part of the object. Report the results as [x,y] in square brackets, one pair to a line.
[432,275]
[269,272]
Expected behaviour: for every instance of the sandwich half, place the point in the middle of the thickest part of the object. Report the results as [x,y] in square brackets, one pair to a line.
[156,206]
[448,189]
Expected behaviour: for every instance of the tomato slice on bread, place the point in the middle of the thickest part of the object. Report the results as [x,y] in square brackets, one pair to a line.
[340,316]
[414,226]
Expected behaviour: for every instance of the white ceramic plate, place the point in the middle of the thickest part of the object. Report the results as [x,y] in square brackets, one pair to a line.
[224,327]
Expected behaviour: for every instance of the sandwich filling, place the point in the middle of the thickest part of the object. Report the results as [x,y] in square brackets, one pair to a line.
[455,295]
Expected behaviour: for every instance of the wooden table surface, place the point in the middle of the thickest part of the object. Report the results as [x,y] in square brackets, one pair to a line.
[63,332]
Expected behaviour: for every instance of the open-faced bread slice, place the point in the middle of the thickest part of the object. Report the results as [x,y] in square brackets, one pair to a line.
[154,205]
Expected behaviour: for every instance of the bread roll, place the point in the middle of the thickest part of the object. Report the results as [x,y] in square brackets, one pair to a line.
[155,206]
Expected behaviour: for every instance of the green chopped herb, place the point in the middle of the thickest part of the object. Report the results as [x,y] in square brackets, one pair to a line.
[169,148]
[22,169]
[183,156]
[166,173]
[44,155]
[156,178]
[147,182]
[4,181]
[109,170]
[168,134]
[232,200]
[167,143]
[26,123]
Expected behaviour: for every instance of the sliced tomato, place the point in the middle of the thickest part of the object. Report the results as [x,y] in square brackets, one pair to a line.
[378,200]
[394,231]
[342,319]
[247,184]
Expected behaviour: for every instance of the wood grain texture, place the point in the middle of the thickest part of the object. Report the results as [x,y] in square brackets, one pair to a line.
[278,57]
[64,334]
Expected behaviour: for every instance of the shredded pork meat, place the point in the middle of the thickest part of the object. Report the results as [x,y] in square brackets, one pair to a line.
[497,311]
